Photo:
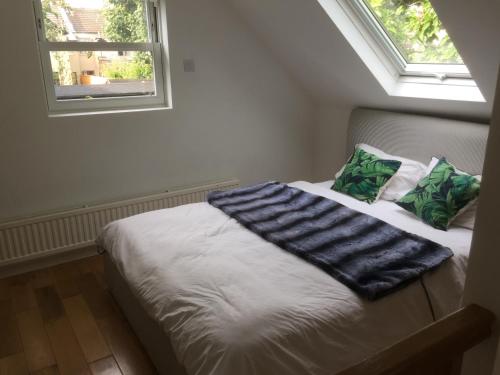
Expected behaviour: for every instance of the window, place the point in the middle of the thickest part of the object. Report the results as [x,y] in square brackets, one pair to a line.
[413,37]
[101,54]
[405,47]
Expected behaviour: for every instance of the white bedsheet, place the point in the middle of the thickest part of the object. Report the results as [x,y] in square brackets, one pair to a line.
[234,304]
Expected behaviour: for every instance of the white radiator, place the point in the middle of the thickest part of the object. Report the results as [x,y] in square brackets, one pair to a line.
[45,235]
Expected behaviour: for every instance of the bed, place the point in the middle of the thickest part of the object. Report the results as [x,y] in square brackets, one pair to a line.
[206,296]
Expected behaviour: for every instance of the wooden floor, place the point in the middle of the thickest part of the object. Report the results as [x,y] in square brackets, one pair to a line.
[62,320]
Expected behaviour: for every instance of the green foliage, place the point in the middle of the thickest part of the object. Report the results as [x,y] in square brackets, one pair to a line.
[55,32]
[440,196]
[365,175]
[54,24]
[144,65]
[125,21]
[416,29]
[63,67]
[138,68]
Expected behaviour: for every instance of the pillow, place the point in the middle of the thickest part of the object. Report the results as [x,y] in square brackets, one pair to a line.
[441,195]
[467,218]
[365,176]
[406,178]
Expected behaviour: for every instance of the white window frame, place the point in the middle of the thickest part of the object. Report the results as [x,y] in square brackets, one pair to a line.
[393,80]
[154,46]
[394,55]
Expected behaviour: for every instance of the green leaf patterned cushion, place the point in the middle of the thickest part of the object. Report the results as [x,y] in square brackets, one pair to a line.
[441,195]
[365,175]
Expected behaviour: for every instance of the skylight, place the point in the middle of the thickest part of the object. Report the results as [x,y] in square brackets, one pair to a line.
[412,36]
[406,47]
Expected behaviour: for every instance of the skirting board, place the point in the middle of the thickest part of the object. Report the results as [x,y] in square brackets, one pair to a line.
[47,260]
[69,235]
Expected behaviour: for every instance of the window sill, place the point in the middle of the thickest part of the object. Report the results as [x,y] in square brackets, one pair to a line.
[464,90]
[108,111]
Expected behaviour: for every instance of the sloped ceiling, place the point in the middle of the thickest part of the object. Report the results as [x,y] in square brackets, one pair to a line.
[306,41]
[475,29]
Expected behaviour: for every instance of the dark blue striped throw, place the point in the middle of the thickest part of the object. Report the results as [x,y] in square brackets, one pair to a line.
[368,255]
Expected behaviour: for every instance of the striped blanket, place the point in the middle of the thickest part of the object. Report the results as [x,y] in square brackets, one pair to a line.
[368,255]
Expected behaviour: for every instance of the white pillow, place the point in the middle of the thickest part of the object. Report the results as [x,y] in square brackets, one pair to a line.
[404,180]
[467,218]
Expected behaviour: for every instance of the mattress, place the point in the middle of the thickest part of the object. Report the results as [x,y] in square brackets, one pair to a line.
[232,303]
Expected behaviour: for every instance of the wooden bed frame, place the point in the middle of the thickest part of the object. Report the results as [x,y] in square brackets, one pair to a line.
[434,350]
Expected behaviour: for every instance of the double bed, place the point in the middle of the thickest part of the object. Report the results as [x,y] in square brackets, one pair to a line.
[207,296]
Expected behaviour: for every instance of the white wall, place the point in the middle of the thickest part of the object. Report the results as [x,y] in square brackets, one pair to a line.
[475,30]
[483,278]
[330,140]
[240,115]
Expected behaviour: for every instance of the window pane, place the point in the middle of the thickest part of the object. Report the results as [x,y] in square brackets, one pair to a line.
[95,20]
[416,30]
[102,74]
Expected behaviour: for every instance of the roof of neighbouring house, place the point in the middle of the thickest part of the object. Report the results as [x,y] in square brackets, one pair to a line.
[88,21]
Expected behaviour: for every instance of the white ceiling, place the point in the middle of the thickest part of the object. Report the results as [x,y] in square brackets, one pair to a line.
[306,41]
[475,29]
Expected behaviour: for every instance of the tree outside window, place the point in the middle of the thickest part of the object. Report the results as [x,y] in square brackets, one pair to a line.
[416,30]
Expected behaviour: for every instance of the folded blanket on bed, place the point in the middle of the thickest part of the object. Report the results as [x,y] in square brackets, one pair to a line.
[368,255]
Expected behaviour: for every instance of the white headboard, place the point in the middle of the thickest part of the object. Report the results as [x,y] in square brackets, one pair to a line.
[420,137]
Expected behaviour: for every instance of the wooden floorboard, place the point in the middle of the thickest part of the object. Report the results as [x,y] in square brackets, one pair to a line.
[42,278]
[69,354]
[49,303]
[66,278]
[125,346]
[62,320]
[23,297]
[35,341]
[4,290]
[105,366]
[52,370]
[13,365]
[10,342]
[88,334]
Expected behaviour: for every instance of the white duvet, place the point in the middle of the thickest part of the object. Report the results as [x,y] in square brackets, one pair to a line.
[234,304]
